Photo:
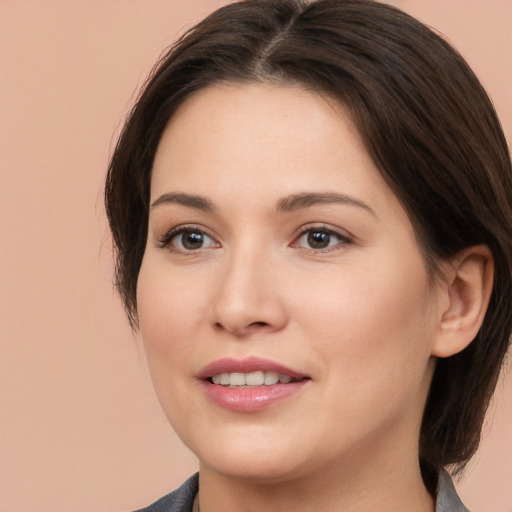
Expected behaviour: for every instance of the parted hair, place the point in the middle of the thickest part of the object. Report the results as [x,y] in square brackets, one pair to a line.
[425,120]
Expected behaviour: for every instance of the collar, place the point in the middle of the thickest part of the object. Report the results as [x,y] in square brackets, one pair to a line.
[447,499]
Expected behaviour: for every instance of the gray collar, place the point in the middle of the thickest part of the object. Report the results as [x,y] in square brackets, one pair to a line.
[447,499]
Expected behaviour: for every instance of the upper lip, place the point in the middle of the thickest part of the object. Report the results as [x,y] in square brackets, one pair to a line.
[248,365]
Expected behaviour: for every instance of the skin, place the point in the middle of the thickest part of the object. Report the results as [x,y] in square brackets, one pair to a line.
[360,317]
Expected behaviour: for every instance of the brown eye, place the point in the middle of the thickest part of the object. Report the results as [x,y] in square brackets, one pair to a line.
[191,240]
[318,239]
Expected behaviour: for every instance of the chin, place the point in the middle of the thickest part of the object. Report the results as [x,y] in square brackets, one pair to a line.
[257,470]
[252,458]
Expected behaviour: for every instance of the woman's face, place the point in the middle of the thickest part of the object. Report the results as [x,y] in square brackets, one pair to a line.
[276,251]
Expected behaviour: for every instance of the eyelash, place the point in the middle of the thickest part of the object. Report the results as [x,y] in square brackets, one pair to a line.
[165,242]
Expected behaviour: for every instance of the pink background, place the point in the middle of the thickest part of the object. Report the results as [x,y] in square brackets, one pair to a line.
[80,429]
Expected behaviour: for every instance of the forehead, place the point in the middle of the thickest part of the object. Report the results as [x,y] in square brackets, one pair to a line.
[251,143]
[256,118]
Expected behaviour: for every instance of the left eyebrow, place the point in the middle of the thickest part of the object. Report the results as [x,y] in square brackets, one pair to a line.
[189,200]
[308,199]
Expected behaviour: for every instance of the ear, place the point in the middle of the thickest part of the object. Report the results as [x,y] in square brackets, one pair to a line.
[468,289]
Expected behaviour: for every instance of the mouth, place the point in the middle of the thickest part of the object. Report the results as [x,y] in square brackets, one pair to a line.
[252,379]
[251,384]
[249,372]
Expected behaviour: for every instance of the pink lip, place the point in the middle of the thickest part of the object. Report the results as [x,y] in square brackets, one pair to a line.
[249,399]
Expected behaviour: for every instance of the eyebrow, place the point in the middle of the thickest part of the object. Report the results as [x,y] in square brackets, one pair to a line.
[308,199]
[285,205]
[192,201]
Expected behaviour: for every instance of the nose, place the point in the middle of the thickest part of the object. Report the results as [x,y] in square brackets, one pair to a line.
[249,296]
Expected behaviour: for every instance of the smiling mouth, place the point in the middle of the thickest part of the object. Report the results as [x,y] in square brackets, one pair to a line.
[252,379]
[251,384]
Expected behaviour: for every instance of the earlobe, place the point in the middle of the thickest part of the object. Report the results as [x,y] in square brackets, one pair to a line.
[468,291]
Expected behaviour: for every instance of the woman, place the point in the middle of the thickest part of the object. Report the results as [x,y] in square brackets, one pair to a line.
[310,204]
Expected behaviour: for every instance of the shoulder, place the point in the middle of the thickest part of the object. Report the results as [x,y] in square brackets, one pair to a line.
[447,499]
[180,500]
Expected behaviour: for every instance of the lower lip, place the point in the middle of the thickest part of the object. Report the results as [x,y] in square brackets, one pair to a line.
[250,399]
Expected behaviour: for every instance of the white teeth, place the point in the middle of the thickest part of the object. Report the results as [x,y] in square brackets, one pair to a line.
[237,379]
[255,379]
[271,378]
[258,378]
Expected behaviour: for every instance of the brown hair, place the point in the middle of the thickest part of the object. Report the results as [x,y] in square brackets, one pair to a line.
[426,121]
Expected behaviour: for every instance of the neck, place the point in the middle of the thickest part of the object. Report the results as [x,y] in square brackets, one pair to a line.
[383,489]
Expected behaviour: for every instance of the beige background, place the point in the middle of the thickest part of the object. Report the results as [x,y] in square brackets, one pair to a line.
[80,429]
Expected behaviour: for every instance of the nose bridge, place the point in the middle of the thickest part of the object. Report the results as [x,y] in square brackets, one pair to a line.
[246,298]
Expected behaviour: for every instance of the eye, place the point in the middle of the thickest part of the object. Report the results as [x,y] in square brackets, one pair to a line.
[191,240]
[319,239]
[187,239]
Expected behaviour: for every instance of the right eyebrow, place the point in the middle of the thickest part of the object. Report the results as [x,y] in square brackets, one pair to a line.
[308,199]
[192,201]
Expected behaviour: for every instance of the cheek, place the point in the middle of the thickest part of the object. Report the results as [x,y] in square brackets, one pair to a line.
[378,316]
[170,310]
[373,334]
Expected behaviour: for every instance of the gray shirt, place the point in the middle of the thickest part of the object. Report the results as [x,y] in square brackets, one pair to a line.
[447,499]
[182,499]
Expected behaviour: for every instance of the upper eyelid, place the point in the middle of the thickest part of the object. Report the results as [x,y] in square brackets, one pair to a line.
[342,233]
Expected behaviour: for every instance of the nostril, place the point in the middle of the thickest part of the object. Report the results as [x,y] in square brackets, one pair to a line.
[241,330]
[258,324]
